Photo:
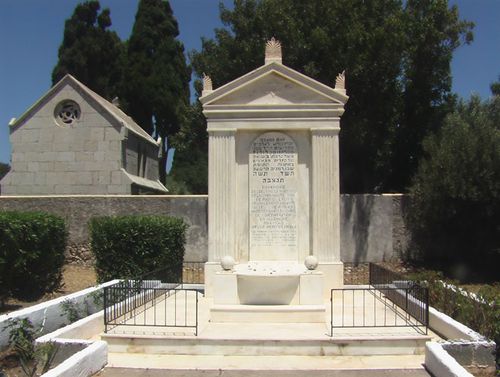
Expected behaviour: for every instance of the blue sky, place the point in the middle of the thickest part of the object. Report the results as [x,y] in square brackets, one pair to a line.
[32,30]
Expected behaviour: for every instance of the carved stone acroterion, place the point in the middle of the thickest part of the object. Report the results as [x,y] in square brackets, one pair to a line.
[207,84]
[273,51]
[340,82]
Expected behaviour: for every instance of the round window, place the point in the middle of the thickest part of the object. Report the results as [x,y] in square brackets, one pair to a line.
[67,113]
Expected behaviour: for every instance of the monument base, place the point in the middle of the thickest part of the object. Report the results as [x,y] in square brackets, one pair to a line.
[233,288]
[211,268]
[332,277]
[268,313]
[333,273]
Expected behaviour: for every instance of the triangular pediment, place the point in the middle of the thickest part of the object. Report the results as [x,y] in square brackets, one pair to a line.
[272,89]
[274,84]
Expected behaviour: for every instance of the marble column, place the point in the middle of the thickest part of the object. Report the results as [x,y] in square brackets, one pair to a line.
[325,195]
[221,194]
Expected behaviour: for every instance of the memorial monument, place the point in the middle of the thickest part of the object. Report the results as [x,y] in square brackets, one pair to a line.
[274,236]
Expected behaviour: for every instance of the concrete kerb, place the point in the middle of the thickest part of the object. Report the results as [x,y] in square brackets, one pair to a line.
[50,315]
[464,346]
[76,355]
[83,363]
[440,363]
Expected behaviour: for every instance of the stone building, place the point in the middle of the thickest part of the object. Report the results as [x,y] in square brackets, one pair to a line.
[73,141]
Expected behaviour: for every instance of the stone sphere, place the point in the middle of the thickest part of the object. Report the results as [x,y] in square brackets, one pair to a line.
[227,262]
[311,262]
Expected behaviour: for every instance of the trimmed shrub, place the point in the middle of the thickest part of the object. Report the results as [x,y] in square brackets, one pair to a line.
[131,246]
[32,246]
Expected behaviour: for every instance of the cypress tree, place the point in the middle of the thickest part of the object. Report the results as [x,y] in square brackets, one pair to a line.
[89,51]
[156,79]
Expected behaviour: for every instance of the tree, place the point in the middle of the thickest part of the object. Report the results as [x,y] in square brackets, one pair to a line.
[155,88]
[455,211]
[495,88]
[190,166]
[91,52]
[372,40]
[433,31]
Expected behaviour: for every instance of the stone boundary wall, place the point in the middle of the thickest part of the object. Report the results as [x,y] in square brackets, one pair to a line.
[77,210]
[372,226]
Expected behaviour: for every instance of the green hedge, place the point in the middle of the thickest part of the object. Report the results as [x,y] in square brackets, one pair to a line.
[131,246]
[32,248]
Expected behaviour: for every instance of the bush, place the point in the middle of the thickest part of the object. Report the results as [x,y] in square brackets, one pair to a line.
[32,246]
[131,246]
[454,214]
[480,312]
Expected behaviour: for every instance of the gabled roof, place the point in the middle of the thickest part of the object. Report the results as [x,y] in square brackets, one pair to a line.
[331,95]
[117,114]
[144,182]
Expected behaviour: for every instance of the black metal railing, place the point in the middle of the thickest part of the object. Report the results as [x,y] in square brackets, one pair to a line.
[390,300]
[379,275]
[150,300]
[403,292]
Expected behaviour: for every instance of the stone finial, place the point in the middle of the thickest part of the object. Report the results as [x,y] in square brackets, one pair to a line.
[273,51]
[207,84]
[340,82]
[116,101]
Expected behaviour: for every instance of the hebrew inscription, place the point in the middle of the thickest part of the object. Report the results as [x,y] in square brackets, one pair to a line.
[273,197]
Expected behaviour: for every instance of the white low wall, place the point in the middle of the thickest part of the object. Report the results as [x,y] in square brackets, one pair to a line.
[86,328]
[463,347]
[448,328]
[440,363]
[84,363]
[50,316]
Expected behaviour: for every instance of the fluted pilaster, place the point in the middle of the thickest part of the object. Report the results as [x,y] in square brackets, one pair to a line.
[325,195]
[221,194]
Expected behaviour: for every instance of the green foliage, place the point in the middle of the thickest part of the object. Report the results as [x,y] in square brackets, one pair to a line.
[480,312]
[495,88]
[32,246]
[189,173]
[396,56]
[156,79]
[433,32]
[131,246]
[73,311]
[34,359]
[455,209]
[91,52]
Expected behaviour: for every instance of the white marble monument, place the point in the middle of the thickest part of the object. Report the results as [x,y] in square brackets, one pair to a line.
[273,187]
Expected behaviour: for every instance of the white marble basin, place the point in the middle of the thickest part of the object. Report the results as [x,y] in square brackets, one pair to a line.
[268,282]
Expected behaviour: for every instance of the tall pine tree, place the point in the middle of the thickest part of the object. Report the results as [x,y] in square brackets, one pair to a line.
[155,88]
[89,51]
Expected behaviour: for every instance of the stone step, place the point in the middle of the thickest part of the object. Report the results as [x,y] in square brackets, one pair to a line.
[268,313]
[325,346]
[138,364]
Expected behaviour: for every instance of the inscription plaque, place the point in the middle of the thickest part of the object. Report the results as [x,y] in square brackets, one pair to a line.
[273,197]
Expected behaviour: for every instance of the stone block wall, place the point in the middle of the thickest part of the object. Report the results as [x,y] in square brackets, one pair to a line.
[141,157]
[48,158]
[372,226]
[78,210]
